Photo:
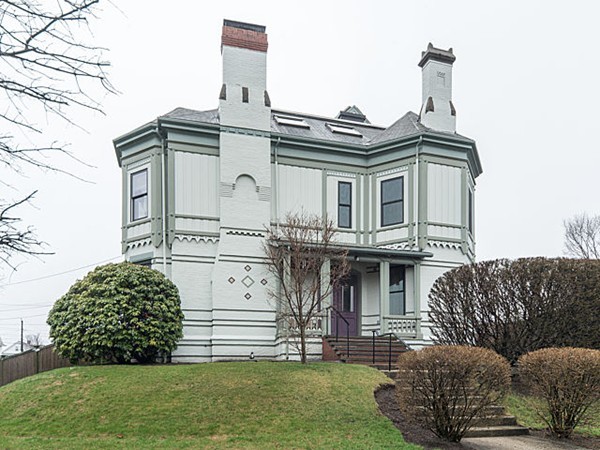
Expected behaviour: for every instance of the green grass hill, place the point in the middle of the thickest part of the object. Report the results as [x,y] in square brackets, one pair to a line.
[220,405]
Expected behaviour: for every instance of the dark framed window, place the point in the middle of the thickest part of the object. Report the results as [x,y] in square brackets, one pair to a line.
[470,211]
[139,195]
[344,204]
[392,201]
[144,262]
[397,290]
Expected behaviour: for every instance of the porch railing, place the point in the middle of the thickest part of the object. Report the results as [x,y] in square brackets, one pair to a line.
[402,326]
[286,325]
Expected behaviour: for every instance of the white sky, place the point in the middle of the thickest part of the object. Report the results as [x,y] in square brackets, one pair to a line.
[525,88]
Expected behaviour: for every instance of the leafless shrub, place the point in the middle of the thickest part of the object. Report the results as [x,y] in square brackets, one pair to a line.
[450,389]
[567,379]
[514,307]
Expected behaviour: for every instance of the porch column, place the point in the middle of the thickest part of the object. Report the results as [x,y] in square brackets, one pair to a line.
[326,299]
[417,297]
[384,294]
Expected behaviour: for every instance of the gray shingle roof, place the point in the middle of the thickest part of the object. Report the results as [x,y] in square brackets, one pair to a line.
[405,126]
[210,116]
[320,128]
[321,131]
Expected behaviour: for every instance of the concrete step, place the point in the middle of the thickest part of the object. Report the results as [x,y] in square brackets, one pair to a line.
[494,410]
[498,421]
[369,348]
[514,430]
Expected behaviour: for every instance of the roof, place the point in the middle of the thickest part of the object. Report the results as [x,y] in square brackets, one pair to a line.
[210,116]
[15,348]
[437,54]
[310,126]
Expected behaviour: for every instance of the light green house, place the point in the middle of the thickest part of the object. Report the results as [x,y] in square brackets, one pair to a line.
[200,187]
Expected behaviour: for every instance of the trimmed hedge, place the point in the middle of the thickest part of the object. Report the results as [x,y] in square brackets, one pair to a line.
[567,379]
[449,389]
[518,306]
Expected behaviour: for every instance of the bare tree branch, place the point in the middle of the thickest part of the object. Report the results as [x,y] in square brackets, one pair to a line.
[13,239]
[582,236]
[46,66]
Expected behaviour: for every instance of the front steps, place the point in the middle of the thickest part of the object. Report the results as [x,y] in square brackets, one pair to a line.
[360,350]
[497,424]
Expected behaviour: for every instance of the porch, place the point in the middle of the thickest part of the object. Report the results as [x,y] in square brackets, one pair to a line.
[381,295]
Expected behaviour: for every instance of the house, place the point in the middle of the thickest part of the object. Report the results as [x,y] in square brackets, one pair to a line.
[15,348]
[200,187]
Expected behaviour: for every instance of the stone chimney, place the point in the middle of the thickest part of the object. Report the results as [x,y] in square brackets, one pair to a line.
[244,101]
[437,110]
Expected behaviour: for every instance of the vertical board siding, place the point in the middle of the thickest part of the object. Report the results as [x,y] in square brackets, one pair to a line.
[196,184]
[444,200]
[300,190]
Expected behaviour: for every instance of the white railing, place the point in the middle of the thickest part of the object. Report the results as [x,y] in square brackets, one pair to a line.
[403,326]
[287,326]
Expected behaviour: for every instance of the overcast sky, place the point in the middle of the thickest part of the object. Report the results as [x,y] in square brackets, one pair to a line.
[526,88]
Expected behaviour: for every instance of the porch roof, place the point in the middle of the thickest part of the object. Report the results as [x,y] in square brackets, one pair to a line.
[382,253]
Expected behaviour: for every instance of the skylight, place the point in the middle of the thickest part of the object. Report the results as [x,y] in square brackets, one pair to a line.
[291,121]
[342,129]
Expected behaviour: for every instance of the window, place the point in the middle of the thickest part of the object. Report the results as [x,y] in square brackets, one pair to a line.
[392,201]
[139,195]
[342,129]
[470,212]
[291,121]
[144,262]
[347,298]
[397,300]
[344,204]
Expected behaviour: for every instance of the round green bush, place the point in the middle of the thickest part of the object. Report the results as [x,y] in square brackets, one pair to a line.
[117,313]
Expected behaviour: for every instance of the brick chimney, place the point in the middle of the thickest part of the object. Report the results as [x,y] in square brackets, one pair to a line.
[437,110]
[244,101]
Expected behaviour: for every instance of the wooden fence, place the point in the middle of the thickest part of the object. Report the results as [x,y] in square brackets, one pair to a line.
[29,363]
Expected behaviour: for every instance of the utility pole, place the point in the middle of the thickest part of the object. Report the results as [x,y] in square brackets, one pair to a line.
[21,335]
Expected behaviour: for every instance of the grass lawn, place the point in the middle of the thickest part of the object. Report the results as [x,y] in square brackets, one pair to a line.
[218,405]
[523,408]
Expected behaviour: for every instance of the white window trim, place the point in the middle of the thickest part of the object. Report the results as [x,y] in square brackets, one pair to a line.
[332,207]
[134,168]
[405,190]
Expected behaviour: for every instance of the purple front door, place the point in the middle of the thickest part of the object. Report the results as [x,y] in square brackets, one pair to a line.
[346,301]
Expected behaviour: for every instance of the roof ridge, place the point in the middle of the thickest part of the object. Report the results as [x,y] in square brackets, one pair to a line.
[332,119]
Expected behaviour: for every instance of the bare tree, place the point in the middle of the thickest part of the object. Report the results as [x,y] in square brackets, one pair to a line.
[304,259]
[582,236]
[35,340]
[46,66]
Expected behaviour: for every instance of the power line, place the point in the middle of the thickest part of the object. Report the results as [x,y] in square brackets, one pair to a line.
[60,273]
[23,317]
[45,305]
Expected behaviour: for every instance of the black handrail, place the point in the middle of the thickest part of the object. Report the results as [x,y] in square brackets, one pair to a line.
[373,331]
[338,315]
[389,347]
